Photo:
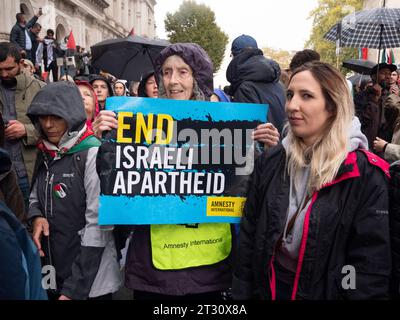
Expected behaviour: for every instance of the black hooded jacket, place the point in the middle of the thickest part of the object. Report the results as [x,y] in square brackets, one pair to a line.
[255,79]
[347,224]
[394,214]
[18,36]
[65,192]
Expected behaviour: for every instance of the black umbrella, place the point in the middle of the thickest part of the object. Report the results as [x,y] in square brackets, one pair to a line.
[359,66]
[127,58]
[357,79]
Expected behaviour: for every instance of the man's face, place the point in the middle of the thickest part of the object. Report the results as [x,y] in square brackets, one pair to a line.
[384,76]
[101,90]
[22,20]
[36,30]
[9,69]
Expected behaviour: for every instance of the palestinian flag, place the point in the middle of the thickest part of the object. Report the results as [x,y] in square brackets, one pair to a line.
[388,56]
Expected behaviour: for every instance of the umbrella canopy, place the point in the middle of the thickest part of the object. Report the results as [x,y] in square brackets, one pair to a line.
[127,58]
[357,79]
[377,28]
[359,66]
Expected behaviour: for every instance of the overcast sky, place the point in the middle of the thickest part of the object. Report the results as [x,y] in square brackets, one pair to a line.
[280,24]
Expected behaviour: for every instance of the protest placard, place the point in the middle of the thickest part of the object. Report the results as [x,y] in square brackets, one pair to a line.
[173,162]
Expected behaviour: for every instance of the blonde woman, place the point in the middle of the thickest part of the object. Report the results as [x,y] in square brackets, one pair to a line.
[315,225]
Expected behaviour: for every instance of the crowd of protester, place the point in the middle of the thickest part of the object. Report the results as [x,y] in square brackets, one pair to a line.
[322,196]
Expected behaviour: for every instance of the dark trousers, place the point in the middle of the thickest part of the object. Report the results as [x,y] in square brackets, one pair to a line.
[24,186]
[29,54]
[54,69]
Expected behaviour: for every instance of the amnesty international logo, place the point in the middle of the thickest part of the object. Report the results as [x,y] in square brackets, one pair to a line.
[225,206]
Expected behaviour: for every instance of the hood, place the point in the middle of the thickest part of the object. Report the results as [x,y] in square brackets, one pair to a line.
[61,99]
[196,58]
[24,81]
[357,139]
[251,65]
[142,85]
[123,82]
[222,96]
[94,77]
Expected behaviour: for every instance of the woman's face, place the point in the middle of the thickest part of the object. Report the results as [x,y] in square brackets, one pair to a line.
[53,127]
[119,89]
[151,87]
[177,77]
[394,77]
[88,101]
[306,107]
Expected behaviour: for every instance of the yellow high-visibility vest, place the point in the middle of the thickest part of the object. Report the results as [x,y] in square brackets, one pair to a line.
[176,247]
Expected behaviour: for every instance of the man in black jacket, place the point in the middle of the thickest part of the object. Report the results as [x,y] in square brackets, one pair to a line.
[34,35]
[19,33]
[255,79]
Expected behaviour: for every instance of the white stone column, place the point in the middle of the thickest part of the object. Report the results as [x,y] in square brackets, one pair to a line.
[109,11]
[138,15]
[145,24]
[97,33]
[8,11]
[131,16]
[48,19]
[125,13]
[118,18]
[79,27]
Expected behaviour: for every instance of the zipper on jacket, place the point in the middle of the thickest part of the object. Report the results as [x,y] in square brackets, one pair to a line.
[45,209]
[46,190]
[51,195]
[271,267]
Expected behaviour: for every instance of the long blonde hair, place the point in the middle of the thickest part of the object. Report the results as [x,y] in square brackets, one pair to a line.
[330,149]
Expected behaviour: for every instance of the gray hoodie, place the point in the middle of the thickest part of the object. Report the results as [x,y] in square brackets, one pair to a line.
[288,253]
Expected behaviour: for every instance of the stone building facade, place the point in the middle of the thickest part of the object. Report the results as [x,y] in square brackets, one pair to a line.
[91,21]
